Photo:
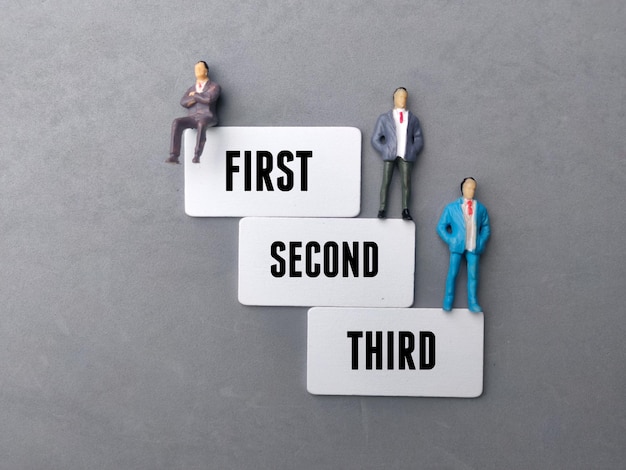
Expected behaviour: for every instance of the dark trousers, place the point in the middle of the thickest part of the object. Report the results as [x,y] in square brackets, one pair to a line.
[405,175]
[197,121]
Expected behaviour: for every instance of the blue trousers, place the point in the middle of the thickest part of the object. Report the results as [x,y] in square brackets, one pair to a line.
[472,274]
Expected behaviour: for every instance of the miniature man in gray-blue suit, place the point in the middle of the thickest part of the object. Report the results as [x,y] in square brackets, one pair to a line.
[464,226]
[398,138]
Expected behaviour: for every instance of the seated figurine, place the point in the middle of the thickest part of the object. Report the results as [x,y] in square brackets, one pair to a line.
[200,99]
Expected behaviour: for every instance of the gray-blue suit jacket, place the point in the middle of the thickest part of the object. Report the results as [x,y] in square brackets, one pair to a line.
[385,142]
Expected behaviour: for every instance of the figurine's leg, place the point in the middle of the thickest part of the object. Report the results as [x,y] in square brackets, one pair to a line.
[405,173]
[200,140]
[453,270]
[472,282]
[405,176]
[178,126]
[387,174]
[202,124]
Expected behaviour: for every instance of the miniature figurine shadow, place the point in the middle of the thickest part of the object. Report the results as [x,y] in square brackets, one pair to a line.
[398,138]
[200,100]
[464,226]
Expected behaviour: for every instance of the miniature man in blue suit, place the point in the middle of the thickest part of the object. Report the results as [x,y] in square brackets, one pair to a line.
[464,226]
[398,138]
[200,99]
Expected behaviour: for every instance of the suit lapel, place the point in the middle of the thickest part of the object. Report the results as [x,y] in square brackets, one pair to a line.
[458,209]
[412,121]
[391,131]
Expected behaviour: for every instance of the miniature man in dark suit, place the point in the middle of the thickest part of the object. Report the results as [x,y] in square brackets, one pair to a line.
[464,226]
[398,138]
[200,100]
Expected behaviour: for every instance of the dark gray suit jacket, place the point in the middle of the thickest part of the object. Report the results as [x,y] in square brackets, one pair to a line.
[203,103]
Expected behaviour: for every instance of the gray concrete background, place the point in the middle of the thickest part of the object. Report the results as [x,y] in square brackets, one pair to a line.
[123,345]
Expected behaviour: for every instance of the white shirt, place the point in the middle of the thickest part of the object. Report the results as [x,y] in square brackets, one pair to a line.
[200,86]
[401,129]
[470,225]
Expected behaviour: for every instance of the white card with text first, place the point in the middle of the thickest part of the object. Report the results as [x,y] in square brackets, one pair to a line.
[326,262]
[274,171]
[419,352]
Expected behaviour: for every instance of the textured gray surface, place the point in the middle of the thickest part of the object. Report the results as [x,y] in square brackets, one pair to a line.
[123,344]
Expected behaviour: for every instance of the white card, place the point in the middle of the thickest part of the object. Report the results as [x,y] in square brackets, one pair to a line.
[395,352]
[274,171]
[334,262]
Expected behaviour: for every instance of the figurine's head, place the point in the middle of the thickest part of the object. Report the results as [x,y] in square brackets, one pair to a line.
[468,187]
[201,70]
[399,97]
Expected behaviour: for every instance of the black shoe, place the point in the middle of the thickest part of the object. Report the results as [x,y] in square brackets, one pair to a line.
[172,159]
[406,215]
[381,214]
[196,159]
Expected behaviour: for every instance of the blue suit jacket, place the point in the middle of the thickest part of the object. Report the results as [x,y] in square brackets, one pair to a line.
[385,142]
[452,218]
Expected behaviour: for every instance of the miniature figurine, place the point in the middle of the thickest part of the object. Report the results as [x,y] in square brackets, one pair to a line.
[398,139]
[464,226]
[200,100]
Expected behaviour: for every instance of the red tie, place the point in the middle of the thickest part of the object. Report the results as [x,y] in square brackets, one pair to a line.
[401,118]
[470,211]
